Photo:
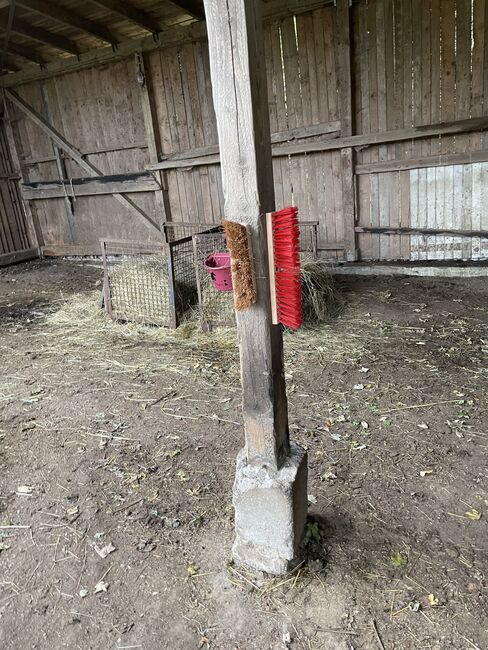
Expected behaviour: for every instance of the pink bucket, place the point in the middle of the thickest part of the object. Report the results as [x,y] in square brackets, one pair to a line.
[218,265]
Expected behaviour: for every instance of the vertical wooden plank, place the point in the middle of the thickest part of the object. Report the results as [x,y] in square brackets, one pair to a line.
[291,73]
[455,207]
[404,181]
[430,222]
[477,67]
[435,71]
[303,24]
[334,98]
[319,17]
[381,70]
[342,44]
[425,74]
[407,47]
[467,208]
[308,20]
[448,72]
[268,53]
[484,208]
[476,209]
[414,206]
[463,69]
[363,103]
[279,81]
[399,71]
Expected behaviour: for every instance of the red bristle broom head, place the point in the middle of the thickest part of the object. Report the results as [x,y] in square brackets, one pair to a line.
[286,245]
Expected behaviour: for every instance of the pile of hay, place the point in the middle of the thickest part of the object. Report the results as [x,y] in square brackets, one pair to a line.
[321,299]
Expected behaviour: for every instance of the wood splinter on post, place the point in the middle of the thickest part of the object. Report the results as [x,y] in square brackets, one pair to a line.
[242,264]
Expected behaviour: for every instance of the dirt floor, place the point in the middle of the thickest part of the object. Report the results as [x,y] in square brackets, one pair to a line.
[117,451]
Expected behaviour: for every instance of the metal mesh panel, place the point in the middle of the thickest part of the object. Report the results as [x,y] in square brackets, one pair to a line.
[308,237]
[215,307]
[185,283]
[137,284]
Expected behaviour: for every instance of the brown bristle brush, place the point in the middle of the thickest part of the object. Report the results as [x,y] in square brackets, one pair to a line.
[242,265]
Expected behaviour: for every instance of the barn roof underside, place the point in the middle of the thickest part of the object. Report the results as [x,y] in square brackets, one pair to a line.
[44,37]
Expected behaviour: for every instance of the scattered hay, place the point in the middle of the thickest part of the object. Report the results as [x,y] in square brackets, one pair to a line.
[80,328]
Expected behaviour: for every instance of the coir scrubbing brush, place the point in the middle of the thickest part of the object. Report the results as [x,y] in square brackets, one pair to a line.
[284,267]
[242,266]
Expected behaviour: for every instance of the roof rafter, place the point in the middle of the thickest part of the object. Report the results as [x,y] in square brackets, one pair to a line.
[10,64]
[27,53]
[130,13]
[67,17]
[191,7]
[57,41]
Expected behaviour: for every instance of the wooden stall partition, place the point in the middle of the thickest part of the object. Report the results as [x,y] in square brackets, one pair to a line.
[17,235]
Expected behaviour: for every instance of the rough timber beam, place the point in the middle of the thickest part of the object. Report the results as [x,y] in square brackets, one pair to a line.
[191,7]
[67,17]
[270,489]
[57,41]
[130,13]
[28,53]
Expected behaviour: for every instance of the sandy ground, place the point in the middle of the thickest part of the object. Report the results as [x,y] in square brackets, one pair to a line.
[117,450]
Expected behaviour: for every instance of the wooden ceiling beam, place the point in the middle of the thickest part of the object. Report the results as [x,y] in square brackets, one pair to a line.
[10,65]
[191,7]
[130,13]
[40,35]
[70,18]
[27,53]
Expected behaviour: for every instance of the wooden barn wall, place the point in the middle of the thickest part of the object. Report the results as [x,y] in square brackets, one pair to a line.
[414,62]
[99,112]
[15,230]
[302,86]
[419,62]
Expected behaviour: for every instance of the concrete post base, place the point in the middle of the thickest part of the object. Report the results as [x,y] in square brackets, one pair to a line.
[270,512]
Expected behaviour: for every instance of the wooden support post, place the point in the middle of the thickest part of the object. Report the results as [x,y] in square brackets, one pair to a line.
[240,99]
[270,488]
[344,77]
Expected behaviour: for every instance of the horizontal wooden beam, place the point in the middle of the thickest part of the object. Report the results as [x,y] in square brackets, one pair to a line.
[57,41]
[28,162]
[10,64]
[72,151]
[114,184]
[398,135]
[68,17]
[168,37]
[18,256]
[191,7]
[28,53]
[440,160]
[482,234]
[209,154]
[361,141]
[129,12]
